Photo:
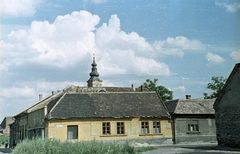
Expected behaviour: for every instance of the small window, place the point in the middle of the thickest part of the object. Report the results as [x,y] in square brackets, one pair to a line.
[156,127]
[145,128]
[120,128]
[193,128]
[72,132]
[106,128]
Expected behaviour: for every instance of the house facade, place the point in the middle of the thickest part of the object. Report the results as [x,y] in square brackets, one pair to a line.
[192,120]
[4,126]
[227,110]
[95,112]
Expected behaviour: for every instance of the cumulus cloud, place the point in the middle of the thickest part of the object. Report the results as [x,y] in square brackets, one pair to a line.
[179,88]
[19,8]
[177,46]
[235,55]
[232,8]
[71,38]
[214,59]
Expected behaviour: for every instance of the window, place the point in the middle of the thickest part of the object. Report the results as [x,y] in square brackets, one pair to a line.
[72,132]
[193,128]
[145,129]
[106,128]
[156,127]
[120,127]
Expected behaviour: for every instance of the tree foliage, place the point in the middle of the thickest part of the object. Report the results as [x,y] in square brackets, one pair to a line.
[164,92]
[216,85]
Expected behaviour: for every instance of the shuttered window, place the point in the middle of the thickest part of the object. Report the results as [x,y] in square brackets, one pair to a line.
[72,132]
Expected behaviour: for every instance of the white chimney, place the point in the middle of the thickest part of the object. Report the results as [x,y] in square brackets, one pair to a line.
[133,87]
[40,97]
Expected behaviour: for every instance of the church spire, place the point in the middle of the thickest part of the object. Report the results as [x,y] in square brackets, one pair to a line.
[94,80]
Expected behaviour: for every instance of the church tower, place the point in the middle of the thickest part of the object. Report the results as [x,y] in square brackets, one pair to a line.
[94,80]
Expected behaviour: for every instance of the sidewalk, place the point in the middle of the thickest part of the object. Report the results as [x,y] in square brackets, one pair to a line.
[4,150]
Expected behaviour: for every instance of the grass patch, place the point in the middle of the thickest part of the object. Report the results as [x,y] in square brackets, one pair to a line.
[53,146]
[3,140]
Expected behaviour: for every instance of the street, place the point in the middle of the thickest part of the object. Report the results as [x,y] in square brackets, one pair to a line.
[193,150]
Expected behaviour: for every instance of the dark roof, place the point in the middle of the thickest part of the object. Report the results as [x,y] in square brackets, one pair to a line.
[190,106]
[230,78]
[108,105]
[124,89]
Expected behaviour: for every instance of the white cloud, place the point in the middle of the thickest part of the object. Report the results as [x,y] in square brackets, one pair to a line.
[15,92]
[98,1]
[232,8]
[235,55]
[19,8]
[179,88]
[214,59]
[177,46]
[72,38]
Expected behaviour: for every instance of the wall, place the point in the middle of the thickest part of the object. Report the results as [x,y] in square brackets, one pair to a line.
[36,118]
[206,134]
[227,113]
[89,129]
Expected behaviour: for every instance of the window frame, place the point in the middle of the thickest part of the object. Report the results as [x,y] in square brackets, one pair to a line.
[74,138]
[144,126]
[121,127]
[195,128]
[104,128]
[157,125]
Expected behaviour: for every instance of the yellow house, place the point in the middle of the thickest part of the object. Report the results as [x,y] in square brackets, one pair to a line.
[102,113]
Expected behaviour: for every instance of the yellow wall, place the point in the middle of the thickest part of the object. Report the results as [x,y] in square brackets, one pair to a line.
[89,129]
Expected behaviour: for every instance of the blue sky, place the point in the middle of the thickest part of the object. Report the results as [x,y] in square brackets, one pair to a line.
[47,45]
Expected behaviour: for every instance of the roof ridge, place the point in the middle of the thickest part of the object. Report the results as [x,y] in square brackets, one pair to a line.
[111,92]
[49,114]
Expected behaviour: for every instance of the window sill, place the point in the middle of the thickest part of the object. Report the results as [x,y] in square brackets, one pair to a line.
[117,135]
[193,132]
[150,134]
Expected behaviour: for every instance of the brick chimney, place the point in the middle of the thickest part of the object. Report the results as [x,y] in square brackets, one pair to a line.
[188,96]
[142,87]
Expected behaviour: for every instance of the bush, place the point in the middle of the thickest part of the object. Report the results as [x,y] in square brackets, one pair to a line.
[48,146]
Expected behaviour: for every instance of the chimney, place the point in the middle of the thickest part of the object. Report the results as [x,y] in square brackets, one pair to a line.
[133,87]
[40,97]
[54,92]
[188,96]
[142,87]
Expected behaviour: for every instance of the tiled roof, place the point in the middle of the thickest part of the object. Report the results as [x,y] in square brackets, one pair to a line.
[124,89]
[190,106]
[108,104]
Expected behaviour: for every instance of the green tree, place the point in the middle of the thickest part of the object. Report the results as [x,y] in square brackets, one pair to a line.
[164,92]
[216,85]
